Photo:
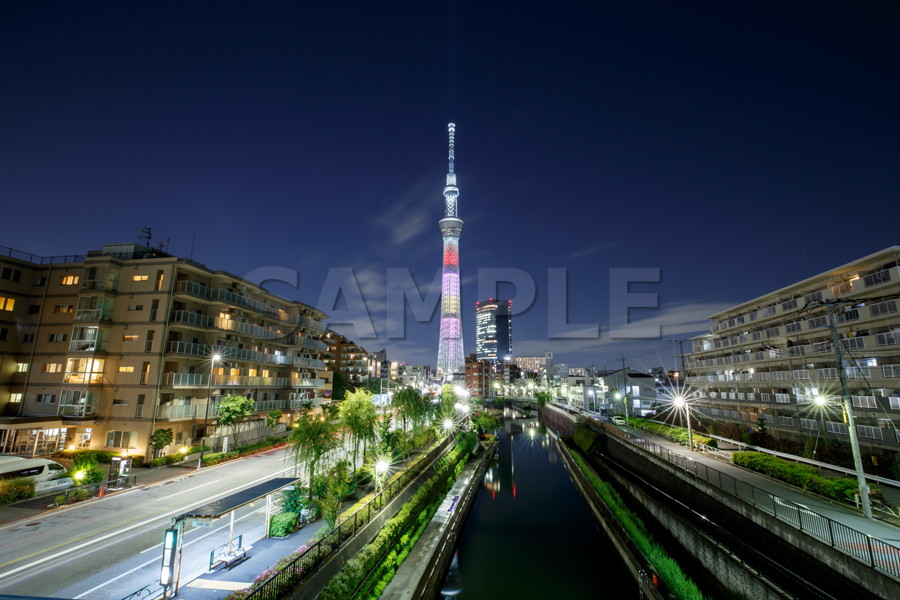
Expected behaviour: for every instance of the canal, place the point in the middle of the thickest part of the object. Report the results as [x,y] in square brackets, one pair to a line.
[529,533]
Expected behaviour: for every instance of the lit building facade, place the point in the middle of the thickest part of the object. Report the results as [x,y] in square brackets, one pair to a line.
[770,358]
[98,351]
[450,346]
[493,329]
[343,355]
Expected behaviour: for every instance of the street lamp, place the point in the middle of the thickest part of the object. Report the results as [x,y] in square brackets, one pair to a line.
[623,396]
[381,467]
[212,364]
[681,402]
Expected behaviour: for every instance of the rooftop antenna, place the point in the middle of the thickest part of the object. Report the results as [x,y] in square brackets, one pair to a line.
[146,234]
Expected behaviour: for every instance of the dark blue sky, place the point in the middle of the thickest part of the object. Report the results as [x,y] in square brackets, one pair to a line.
[736,147]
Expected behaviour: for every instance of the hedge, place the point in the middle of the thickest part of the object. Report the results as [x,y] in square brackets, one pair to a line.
[13,490]
[283,524]
[668,569]
[357,570]
[800,475]
[679,435]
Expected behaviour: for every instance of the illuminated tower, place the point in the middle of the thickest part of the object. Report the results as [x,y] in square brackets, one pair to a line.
[450,348]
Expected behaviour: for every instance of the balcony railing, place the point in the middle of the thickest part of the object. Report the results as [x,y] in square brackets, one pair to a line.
[308,342]
[87,346]
[77,410]
[188,348]
[92,314]
[234,299]
[309,323]
[184,411]
[199,380]
[284,404]
[88,377]
[185,317]
[193,288]
[308,383]
[247,329]
[311,363]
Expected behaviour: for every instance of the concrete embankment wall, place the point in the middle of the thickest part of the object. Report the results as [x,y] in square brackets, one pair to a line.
[677,500]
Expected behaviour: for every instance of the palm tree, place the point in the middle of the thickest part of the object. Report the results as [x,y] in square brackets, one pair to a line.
[313,438]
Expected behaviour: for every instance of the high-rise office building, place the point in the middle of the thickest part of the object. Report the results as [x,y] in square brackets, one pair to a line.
[493,329]
[450,347]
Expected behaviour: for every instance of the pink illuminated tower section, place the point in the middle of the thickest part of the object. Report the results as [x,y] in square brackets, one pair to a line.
[450,348]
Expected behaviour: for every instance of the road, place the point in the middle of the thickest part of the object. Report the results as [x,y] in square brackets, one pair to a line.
[108,548]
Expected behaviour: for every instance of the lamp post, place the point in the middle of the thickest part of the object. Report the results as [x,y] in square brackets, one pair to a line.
[623,396]
[381,467]
[212,364]
[681,402]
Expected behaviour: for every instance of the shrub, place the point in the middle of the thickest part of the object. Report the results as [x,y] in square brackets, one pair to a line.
[800,475]
[159,462]
[13,490]
[283,524]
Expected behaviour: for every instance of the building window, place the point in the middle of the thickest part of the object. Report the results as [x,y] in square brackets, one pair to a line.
[34,309]
[45,398]
[809,424]
[872,433]
[21,367]
[863,401]
[27,338]
[839,428]
[63,308]
[120,402]
[4,332]
[121,439]
[7,303]
[10,274]
[52,367]
[139,408]
[140,277]
[134,307]
[126,369]
[148,347]
[145,372]
[129,337]
[16,397]
[69,280]
[895,402]
[57,337]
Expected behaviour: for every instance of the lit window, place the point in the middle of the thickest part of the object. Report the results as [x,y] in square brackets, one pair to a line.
[15,397]
[52,367]
[21,367]
[140,277]
[129,338]
[6,303]
[124,369]
[69,280]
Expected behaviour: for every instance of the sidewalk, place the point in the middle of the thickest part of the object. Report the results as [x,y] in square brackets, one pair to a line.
[841,513]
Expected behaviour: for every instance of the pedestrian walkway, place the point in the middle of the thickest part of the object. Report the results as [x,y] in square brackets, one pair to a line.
[408,575]
[842,513]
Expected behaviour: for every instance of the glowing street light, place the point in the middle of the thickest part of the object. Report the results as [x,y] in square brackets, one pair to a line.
[381,467]
[624,398]
[212,365]
[681,402]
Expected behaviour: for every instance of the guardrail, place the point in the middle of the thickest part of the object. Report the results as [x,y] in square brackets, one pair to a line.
[875,553]
[292,574]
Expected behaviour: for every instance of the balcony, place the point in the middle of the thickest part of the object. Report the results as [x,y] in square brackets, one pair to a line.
[87,346]
[284,404]
[93,314]
[309,363]
[247,329]
[169,412]
[83,377]
[77,410]
[307,383]
[192,288]
[877,278]
[309,323]
[229,297]
[308,342]
[201,380]
[188,349]
[193,319]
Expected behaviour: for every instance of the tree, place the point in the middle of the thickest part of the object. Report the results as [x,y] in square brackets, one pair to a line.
[313,439]
[159,439]
[233,410]
[357,414]
[408,402]
[543,398]
[337,485]
[449,399]
[273,418]
[340,385]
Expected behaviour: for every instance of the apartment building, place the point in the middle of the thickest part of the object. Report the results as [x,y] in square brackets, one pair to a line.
[770,358]
[98,351]
[343,355]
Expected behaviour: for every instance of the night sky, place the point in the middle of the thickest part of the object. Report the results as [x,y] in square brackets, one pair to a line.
[736,147]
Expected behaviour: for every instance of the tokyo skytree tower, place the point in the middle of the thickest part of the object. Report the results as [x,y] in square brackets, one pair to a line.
[450,348]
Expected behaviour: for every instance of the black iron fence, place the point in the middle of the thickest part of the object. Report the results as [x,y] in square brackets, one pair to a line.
[310,558]
[94,490]
[878,554]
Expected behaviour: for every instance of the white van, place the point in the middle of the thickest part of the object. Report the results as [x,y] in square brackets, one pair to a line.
[618,420]
[39,469]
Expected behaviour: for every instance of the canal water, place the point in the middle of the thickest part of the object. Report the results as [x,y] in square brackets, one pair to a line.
[529,533]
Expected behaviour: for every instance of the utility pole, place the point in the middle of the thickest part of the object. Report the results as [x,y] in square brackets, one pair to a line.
[848,414]
[681,352]
[625,390]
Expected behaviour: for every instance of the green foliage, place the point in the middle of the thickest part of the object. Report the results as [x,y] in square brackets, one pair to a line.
[312,439]
[294,500]
[669,571]
[803,476]
[679,435]
[101,456]
[543,398]
[337,484]
[283,524]
[86,463]
[340,385]
[483,423]
[13,490]
[411,407]
[586,438]
[466,440]
[389,542]
[160,438]
[357,414]
[273,418]
[232,410]
[78,494]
